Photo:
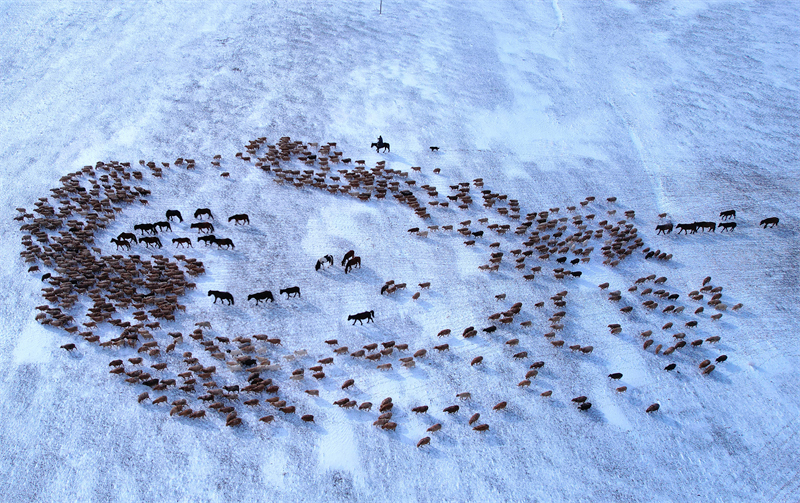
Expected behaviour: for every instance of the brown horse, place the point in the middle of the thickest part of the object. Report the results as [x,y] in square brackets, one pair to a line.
[354,262]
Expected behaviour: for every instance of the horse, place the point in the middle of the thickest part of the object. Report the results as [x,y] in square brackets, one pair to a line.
[121,242]
[128,236]
[366,315]
[322,261]
[207,239]
[348,256]
[151,240]
[381,145]
[291,292]
[148,228]
[239,218]
[727,214]
[174,213]
[203,226]
[711,226]
[203,211]
[163,225]
[771,221]
[223,296]
[182,241]
[354,262]
[226,242]
[686,228]
[727,226]
[664,228]
[265,296]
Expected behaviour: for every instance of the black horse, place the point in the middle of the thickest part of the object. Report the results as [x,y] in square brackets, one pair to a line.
[174,213]
[203,211]
[291,292]
[203,226]
[239,218]
[226,242]
[223,296]
[265,296]
[771,221]
[146,228]
[151,240]
[207,239]
[366,315]
[163,225]
[381,145]
[128,236]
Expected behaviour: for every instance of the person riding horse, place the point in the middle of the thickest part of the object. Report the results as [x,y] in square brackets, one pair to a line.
[381,145]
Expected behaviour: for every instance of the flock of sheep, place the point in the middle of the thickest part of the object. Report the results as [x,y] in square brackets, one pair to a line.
[537,242]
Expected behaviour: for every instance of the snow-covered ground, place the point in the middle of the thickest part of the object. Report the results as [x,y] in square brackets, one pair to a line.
[685,108]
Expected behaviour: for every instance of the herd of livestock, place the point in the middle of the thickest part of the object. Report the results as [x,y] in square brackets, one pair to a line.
[134,293]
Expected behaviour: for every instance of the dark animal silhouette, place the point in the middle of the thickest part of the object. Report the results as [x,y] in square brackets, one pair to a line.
[163,225]
[348,256]
[121,243]
[265,296]
[203,211]
[687,228]
[771,221]
[434,149]
[226,242]
[353,262]
[727,226]
[148,228]
[222,296]
[182,241]
[128,236]
[207,239]
[664,228]
[242,217]
[174,214]
[727,214]
[151,240]
[366,315]
[203,226]
[381,145]
[710,226]
[291,292]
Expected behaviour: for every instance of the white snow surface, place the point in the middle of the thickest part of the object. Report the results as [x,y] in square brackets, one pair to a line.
[679,107]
